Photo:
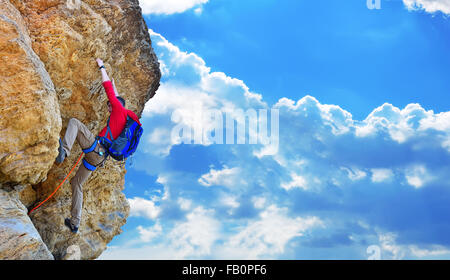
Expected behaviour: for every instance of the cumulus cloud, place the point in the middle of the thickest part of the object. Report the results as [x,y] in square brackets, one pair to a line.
[185,204]
[417,176]
[268,235]
[201,235]
[381,174]
[228,177]
[168,7]
[343,148]
[430,6]
[259,202]
[140,207]
[187,95]
[148,234]
[391,249]
[354,173]
[229,202]
[195,236]
[432,251]
[297,182]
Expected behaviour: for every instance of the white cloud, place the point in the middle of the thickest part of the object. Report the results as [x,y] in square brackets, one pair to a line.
[381,174]
[268,236]
[390,249]
[354,173]
[332,116]
[148,234]
[191,92]
[433,251]
[439,122]
[184,98]
[201,236]
[297,181]
[159,141]
[229,201]
[163,68]
[228,177]
[259,202]
[417,176]
[176,61]
[192,238]
[185,204]
[399,124]
[140,207]
[430,6]
[157,252]
[198,10]
[168,7]
[195,236]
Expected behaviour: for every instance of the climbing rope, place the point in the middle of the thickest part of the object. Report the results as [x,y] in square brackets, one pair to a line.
[58,186]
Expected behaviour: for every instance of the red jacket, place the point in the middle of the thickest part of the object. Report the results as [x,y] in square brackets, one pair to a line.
[118,117]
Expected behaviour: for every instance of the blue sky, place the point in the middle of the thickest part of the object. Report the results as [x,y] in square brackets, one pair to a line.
[364,143]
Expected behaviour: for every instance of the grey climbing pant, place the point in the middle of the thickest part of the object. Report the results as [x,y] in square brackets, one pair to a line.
[76,130]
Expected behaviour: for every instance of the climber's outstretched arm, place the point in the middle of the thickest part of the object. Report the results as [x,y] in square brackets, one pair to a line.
[109,86]
[114,87]
[103,70]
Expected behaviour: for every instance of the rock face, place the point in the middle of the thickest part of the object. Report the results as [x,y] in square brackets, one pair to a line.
[19,238]
[30,118]
[48,75]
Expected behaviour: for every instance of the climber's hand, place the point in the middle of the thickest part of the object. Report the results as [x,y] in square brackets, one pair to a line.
[99,62]
[103,70]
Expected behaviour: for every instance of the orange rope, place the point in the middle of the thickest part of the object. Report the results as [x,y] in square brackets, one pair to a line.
[57,187]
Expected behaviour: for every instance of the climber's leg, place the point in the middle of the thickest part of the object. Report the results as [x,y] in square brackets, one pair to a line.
[77,184]
[77,130]
[77,194]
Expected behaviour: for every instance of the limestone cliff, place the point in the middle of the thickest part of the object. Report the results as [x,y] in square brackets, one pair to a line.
[48,75]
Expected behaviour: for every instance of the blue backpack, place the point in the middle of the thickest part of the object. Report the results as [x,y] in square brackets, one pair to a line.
[124,145]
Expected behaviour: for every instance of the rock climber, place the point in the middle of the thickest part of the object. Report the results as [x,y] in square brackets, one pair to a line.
[95,152]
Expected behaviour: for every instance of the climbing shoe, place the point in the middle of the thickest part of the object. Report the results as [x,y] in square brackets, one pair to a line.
[73,228]
[62,154]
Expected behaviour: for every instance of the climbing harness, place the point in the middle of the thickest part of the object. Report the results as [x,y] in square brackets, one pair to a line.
[57,187]
[86,164]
